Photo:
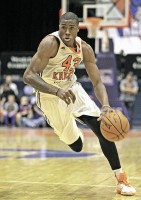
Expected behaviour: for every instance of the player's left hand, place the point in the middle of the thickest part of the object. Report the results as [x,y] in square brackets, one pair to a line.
[104,110]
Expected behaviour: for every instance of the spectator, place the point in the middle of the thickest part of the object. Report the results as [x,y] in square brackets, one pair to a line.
[13,86]
[38,118]
[129,89]
[10,109]
[6,91]
[30,115]
[2,101]
[29,92]
[25,111]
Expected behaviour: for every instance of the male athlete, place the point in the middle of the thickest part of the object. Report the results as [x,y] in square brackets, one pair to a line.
[62,99]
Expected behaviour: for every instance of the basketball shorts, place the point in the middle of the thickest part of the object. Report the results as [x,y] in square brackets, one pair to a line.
[62,117]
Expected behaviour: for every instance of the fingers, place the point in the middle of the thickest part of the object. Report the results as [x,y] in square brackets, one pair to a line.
[67,100]
[67,96]
[72,96]
[100,117]
[104,111]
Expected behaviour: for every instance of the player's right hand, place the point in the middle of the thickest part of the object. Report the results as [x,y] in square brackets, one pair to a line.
[66,95]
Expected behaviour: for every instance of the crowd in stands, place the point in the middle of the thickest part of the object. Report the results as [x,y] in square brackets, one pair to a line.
[16,110]
[22,111]
[128,90]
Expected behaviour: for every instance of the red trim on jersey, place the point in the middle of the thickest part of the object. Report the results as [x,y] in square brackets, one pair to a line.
[76,52]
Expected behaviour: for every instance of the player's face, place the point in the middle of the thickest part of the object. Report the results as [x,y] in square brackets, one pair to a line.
[68,30]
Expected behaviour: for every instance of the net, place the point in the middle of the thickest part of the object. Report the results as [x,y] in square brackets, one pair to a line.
[93,24]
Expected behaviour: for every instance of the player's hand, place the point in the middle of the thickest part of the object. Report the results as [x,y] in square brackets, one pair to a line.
[66,95]
[104,110]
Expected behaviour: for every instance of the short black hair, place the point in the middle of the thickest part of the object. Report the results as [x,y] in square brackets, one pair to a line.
[69,16]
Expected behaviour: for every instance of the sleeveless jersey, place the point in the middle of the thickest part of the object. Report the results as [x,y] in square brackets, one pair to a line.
[60,69]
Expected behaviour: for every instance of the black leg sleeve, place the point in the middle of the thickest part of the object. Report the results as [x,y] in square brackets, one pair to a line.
[77,145]
[108,148]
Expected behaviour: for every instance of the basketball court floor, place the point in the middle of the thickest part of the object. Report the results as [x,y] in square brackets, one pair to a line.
[35,165]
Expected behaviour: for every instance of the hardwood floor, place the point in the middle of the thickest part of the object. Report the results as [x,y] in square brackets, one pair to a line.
[35,165]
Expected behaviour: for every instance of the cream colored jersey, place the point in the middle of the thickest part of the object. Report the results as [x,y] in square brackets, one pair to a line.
[60,72]
[60,69]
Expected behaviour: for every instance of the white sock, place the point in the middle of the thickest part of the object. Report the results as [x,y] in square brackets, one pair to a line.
[117,172]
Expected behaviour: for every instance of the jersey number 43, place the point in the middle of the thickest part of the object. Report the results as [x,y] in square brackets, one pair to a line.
[70,62]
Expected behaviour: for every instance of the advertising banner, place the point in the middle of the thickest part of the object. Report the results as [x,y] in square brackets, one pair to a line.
[15,63]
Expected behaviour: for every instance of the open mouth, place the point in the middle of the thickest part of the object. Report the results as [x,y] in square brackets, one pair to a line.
[67,39]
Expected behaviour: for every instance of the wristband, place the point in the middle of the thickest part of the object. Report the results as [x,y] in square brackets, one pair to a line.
[106,106]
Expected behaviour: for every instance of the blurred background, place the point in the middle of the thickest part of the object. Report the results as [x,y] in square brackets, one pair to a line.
[111,27]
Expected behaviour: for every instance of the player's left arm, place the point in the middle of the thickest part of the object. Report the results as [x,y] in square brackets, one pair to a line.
[94,74]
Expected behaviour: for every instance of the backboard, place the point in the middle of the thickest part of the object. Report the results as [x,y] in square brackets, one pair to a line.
[114,13]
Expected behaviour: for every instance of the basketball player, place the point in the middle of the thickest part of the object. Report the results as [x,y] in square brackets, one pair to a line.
[62,98]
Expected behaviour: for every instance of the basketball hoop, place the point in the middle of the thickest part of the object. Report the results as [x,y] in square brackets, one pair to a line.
[93,24]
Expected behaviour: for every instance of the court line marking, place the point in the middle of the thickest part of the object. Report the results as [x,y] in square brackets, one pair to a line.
[59,183]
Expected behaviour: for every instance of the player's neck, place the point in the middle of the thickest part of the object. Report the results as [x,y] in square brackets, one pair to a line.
[73,46]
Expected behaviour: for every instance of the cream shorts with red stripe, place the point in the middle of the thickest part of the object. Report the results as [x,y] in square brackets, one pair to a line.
[62,117]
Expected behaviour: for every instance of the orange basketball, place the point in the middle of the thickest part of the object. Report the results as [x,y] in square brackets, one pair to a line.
[114,126]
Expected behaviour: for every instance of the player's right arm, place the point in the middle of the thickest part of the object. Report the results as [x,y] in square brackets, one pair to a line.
[47,49]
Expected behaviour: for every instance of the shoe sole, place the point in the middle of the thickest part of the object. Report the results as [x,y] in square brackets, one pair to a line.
[125,194]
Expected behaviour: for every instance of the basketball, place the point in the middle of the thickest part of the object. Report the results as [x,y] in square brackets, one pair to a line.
[114,126]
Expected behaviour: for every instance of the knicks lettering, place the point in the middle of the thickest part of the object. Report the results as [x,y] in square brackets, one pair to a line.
[62,75]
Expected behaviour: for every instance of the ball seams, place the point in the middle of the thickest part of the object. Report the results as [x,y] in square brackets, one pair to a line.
[114,126]
[121,124]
